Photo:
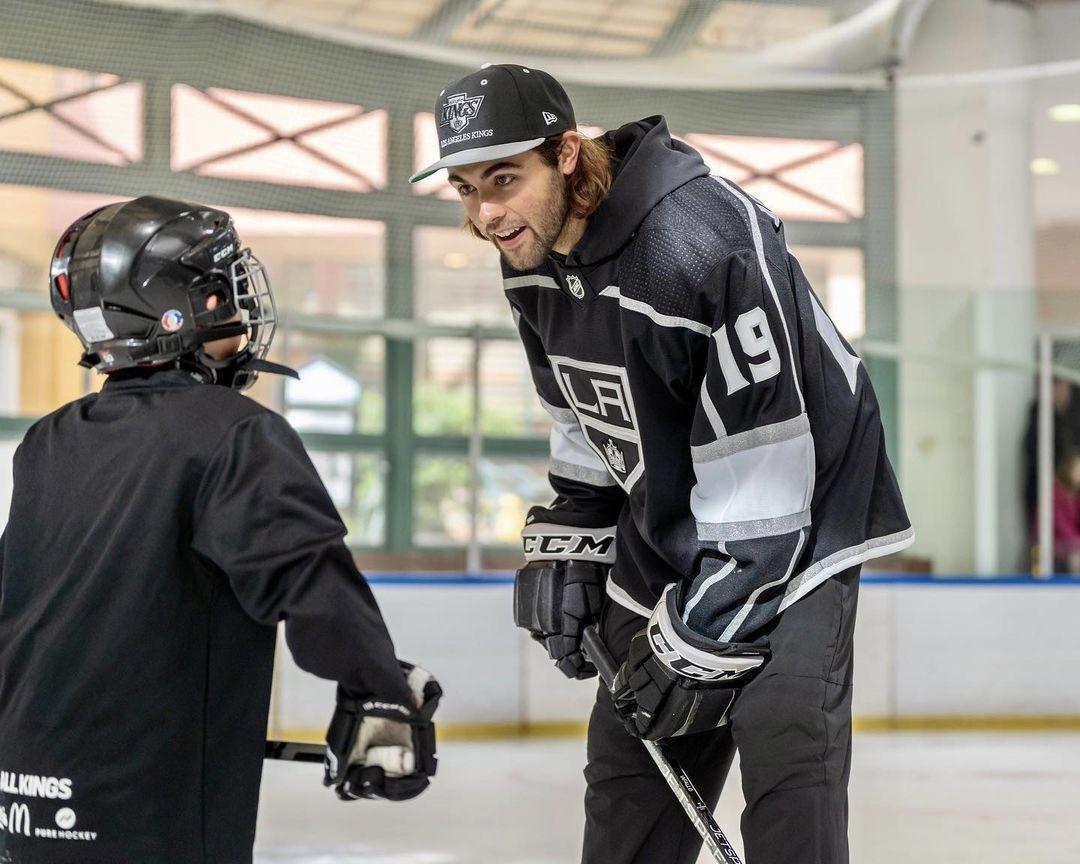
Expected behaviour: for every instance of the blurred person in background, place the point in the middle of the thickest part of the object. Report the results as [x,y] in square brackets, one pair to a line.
[1066,513]
[159,531]
[718,461]
[1066,438]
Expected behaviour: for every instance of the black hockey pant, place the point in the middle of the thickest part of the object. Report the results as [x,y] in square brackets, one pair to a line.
[792,728]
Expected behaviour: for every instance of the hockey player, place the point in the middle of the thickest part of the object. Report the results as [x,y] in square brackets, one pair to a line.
[158,532]
[718,461]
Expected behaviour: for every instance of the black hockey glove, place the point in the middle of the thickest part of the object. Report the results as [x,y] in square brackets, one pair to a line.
[555,601]
[677,682]
[377,749]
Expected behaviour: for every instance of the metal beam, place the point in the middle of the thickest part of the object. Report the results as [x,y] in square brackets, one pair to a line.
[680,35]
[445,20]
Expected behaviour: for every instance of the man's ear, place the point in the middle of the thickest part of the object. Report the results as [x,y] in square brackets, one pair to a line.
[569,151]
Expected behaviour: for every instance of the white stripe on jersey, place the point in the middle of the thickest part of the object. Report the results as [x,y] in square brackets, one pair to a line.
[772,433]
[530,282]
[752,529]
[773,480]
[705,586]
[710,410]
[625,600]
[817,573]
[573,458]
[740,616]
[849,362]
[759,247]
[658,317]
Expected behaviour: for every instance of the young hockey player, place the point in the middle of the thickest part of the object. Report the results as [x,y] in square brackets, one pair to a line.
[718,460]
[159,531]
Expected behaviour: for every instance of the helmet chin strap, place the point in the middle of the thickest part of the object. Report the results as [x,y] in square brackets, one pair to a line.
[244,363]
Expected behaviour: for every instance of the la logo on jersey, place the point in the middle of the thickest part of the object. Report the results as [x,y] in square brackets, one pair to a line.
[600,397]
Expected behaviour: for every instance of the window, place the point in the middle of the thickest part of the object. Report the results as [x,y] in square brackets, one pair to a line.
[509,487]
[509,406]
[318,265]
[357,486]
[71,113]
[441,501]
[836,275]
[275,139]
[442,387]
[341,387]
[800,179]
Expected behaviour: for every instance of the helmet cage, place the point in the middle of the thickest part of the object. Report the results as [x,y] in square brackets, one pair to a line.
[253,298]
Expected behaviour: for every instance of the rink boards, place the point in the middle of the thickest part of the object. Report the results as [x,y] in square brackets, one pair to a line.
[930,653]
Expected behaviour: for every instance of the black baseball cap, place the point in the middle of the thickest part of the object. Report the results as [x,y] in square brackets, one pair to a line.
[497,112]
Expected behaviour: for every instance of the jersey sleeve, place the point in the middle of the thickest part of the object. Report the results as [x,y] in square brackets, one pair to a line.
[580,523]
[737,526]
[265,519]
[752,453]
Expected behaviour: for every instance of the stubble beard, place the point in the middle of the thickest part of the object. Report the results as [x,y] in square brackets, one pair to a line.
[546,232]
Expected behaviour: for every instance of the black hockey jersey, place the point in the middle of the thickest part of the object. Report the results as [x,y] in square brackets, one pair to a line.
[158,533]
[712,428]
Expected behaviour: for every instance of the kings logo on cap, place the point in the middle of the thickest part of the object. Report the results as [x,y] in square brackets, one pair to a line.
[459,110]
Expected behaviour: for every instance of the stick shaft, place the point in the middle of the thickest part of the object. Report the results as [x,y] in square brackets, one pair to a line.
[697,811]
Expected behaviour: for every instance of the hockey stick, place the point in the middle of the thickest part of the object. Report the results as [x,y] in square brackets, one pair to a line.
[696,809]
[295,751]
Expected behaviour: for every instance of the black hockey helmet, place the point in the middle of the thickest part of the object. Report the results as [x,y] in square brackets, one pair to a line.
[132,280]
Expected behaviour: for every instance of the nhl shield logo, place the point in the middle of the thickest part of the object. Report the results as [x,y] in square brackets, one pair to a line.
[459,110]
[601,399]
[575,286]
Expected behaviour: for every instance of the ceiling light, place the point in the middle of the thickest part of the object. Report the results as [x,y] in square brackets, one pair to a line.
[1068,112]
[1043,166]
[455,260]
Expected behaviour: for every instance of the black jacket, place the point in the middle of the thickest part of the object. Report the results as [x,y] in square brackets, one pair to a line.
[712,429]
[158,533]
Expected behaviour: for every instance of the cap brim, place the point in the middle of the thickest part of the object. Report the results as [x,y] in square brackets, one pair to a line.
[478,154]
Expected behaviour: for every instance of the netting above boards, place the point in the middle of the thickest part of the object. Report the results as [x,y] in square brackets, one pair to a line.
[687,43]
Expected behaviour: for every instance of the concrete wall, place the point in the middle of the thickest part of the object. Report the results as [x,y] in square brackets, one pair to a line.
[921,649]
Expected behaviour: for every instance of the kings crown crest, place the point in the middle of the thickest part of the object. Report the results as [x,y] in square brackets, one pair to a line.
[614,456]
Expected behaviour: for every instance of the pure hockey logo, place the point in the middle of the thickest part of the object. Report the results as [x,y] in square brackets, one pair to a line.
[459,110]
[15,819]
[600,398]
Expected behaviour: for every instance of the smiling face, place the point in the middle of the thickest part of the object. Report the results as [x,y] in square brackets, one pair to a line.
[521,203]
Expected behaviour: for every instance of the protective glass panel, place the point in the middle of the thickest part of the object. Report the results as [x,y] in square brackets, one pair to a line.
[510,486]
[442,387]
[341,382]
[509,406]
[357,486]
[836,275]
[440,501]
[318,265]
[458,280]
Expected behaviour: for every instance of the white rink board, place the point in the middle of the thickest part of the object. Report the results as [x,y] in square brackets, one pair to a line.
[920,650]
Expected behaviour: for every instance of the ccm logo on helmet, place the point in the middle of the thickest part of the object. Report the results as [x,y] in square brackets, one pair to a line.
[568,545]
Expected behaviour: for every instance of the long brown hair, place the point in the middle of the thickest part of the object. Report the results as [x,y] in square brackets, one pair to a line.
[587,187]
